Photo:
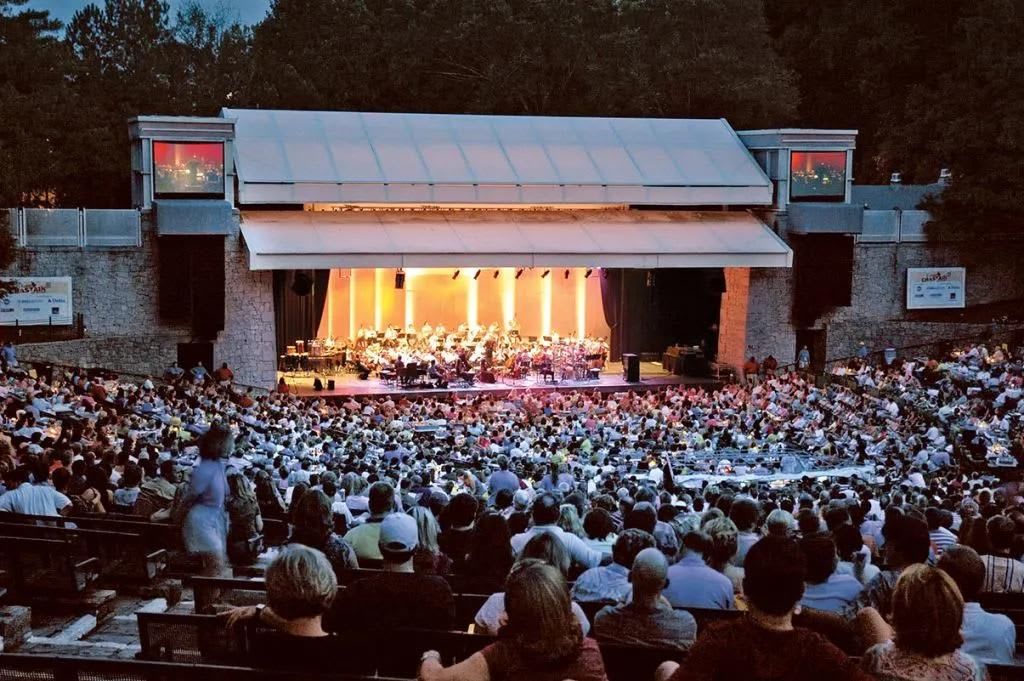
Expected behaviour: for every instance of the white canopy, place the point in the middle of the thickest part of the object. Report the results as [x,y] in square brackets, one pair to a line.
[297,157]
[496,238]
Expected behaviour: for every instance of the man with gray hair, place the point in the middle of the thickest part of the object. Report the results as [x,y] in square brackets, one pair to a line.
[988,637]
[647,619]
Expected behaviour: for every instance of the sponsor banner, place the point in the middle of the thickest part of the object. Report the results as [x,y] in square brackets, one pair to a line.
[37,301]
[936,287]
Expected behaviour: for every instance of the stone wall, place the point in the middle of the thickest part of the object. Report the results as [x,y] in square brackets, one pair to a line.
[732,321]
[877,314]
[116,290]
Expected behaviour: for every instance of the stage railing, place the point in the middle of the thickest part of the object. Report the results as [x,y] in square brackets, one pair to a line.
[75,227]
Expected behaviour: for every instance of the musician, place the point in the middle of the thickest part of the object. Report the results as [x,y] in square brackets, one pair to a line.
[437,378]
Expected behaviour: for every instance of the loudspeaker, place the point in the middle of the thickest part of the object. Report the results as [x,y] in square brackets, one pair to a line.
[302,284]
[330,384]
[207,285]
[630,367]
[399,279]
[174,288]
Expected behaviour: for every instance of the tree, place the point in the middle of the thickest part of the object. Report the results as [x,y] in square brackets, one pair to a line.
[33,105]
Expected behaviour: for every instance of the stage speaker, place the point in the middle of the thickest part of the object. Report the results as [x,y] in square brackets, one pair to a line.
[399,279]
[207,281]
[302,284]
[630,367]
[174,287]
[330,384]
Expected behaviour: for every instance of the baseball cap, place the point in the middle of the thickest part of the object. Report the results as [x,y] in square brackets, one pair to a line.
[398,533]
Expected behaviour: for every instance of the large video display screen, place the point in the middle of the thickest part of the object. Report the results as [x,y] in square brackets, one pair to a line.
[188,169]
[817,176]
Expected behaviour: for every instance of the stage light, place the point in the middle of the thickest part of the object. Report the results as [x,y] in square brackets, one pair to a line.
[588,273]
[399,278]
[496,273]
[477,275]
[567,274]
[519,272]
[456,275]
[546,273]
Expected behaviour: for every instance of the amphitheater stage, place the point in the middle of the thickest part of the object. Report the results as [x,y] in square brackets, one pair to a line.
[651,375]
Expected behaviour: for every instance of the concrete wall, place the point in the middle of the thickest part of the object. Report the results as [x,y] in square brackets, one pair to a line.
[117,292]
[877,313]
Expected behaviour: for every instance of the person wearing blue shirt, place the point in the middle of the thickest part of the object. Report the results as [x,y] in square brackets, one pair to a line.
[692,583]
[988,637]
[8,355]
[501,479]
[825,589]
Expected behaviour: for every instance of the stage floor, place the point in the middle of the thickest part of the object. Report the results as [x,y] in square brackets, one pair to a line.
[651,375]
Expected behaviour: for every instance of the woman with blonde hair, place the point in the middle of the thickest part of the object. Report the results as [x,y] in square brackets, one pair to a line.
[922,643]
[569,521]
[541,640]
[244,520]
[428,558]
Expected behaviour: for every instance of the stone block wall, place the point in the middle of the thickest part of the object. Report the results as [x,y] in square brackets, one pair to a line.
[117,292]
[732,321]
[877,314]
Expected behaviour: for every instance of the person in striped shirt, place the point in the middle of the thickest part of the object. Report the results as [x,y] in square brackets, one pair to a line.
[1003,574]
[939,534]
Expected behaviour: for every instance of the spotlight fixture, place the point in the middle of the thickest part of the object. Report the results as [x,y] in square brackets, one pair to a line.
[588,273]
[477,275]
[546,273]
[400,278]
[519,272]
[567,274]
[496,273]
[456,275]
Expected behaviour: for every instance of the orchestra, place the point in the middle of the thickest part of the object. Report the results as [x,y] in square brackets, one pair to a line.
[433,356]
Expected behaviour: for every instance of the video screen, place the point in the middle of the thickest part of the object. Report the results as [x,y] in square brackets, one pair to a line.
[817,176]
[188,169]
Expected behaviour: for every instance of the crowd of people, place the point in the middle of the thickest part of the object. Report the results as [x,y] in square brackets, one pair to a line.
[651,502]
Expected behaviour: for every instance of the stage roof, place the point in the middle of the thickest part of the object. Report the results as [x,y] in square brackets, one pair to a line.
[494,238]
[301,157]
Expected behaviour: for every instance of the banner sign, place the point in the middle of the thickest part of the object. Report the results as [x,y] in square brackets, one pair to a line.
[37,301]
[936,287]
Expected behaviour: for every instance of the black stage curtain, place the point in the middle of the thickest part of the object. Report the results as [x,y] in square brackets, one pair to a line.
[611,285]
[299,298]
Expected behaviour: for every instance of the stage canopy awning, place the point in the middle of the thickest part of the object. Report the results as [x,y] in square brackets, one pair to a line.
[496,238]
[303,157]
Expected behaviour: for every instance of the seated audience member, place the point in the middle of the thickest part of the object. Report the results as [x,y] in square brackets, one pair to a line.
[692,583]
[545,517]
[746,514]
[398,598]
[314,527]
[780,523]
[365,538]
[244,521]
[825,589]
[941,537]
[724,537]
[906,544]
[853,560]
[429,559]
[611,582]
[600,530]
[923,642]
[988,637]
[32,499]
[764,644]
[1003,574]
[647,619]
[459,519]
[541,640]
[546,548]
[127,494]
[490,552]
[300,588]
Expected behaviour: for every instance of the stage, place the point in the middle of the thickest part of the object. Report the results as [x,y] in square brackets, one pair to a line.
[652,375]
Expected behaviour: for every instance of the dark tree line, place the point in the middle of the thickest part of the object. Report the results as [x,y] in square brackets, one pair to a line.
[929,84]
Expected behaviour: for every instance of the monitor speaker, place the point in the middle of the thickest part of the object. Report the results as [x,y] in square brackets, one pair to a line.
[631,367]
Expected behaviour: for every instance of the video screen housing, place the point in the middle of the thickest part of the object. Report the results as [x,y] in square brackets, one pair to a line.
[188,170]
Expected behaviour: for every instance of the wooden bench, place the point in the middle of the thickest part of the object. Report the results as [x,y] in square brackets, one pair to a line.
[123,557]
[35,567]
[50,668]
